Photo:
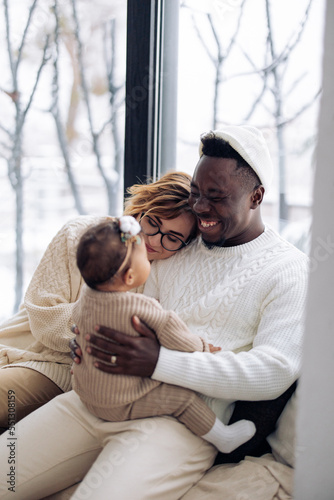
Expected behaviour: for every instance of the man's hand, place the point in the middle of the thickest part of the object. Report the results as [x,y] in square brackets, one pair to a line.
[130,355]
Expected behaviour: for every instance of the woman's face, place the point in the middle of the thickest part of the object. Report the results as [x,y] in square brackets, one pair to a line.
[181,227]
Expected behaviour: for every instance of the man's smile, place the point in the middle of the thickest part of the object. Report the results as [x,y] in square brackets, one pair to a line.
[207,224]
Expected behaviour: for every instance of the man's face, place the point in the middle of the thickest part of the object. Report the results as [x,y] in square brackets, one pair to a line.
[221,202]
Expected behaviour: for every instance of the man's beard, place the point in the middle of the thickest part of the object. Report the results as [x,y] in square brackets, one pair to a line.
[225,224]
[212,244]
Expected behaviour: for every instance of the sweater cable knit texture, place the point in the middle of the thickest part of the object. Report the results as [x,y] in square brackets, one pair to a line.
[249,300]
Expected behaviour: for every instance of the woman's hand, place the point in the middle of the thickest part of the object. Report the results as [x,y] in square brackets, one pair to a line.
[129,355]
[76,351]
[214,349]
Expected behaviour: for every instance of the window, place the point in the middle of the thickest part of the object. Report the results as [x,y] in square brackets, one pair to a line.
[191,66]
[67,86]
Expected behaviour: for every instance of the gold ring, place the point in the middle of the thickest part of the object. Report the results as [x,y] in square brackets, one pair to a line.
[113,359]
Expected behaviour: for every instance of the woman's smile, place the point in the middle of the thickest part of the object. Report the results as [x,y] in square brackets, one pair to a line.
[150,249]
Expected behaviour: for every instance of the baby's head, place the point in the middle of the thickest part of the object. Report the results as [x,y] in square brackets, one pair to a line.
[112,255]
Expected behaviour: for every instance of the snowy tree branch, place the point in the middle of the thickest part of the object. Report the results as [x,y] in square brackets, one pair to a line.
[45,58]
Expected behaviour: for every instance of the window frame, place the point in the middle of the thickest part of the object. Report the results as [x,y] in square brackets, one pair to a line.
[151,90]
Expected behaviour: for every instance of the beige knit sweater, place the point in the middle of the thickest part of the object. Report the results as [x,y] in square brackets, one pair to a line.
[38,335]
[101,390]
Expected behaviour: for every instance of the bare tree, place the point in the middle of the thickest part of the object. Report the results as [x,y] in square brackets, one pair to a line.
[66,33]
[55,110]
[273,75]
[116,97]
[114,93]
[220,57]
[14,133]
[95,135]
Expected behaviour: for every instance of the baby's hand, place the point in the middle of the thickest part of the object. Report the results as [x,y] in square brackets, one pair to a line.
[214,348]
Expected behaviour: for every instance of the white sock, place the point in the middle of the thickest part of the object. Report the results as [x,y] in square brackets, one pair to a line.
[229,437]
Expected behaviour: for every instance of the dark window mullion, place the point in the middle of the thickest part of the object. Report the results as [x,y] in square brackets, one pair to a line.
[142,86]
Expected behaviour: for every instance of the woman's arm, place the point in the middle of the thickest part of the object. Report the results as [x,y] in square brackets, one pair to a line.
[55,286]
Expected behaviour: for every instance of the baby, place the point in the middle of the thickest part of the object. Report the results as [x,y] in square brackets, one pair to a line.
[112,260]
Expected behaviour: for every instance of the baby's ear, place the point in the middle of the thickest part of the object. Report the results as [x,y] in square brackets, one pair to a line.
[129,277]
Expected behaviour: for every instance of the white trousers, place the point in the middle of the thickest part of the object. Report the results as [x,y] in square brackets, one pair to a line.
[61,443]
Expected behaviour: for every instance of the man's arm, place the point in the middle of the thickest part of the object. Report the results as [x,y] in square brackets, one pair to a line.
[139,355]
[264,372]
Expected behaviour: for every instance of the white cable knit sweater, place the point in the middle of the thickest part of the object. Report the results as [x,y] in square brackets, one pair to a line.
[249,300]
[38,335]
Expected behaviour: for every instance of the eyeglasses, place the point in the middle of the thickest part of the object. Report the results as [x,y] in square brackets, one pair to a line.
[169,241]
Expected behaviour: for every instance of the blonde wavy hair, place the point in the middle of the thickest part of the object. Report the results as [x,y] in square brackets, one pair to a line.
[166,198]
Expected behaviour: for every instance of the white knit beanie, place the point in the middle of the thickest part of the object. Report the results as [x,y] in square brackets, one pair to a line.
[251,145]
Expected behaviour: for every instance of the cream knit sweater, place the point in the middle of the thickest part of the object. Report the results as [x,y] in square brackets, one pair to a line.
[38,335]
[249,300]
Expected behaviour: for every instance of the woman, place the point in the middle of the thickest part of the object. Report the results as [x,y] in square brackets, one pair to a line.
[34,354]
[54,288]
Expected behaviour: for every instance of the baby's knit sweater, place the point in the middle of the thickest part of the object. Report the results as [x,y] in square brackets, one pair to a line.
[103,391]
[249,300]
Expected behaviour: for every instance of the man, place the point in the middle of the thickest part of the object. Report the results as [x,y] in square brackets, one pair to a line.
[241,275]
